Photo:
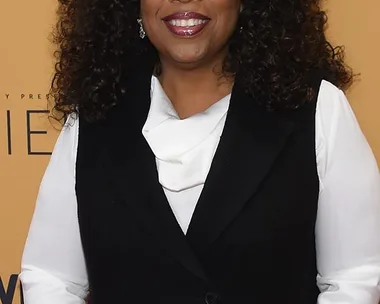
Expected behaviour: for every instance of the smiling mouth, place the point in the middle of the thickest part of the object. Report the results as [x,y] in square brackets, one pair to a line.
[186,24]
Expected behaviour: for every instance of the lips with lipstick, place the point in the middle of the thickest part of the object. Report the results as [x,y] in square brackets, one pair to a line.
[186,24]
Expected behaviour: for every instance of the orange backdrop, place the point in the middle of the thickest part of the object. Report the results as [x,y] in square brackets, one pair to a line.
[26,137]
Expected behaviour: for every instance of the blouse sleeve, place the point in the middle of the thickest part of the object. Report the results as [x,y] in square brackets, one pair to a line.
[53,267]
[348,221]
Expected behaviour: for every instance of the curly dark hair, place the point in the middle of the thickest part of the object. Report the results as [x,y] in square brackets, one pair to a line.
[279,49]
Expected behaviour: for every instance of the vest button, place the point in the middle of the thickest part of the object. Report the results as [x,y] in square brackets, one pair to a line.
[211,298]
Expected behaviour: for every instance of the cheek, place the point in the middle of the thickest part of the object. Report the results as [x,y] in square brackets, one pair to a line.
[150,5]
[149,11]
[227,15]
[225,26]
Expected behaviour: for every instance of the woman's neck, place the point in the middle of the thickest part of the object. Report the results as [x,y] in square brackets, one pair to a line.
[192,91]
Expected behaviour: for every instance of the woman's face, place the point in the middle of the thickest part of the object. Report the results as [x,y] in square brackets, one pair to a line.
[190,32]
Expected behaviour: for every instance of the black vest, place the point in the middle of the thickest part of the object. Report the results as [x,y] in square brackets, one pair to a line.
[251,237]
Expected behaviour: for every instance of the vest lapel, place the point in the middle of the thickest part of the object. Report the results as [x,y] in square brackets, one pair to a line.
[251,140]
[133,178]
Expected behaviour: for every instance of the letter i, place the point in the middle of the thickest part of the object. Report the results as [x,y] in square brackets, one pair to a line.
[9,132]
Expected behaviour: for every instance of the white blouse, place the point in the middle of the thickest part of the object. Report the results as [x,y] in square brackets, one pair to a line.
[348,220]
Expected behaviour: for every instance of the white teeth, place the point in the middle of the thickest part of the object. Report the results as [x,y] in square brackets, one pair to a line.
[187,22]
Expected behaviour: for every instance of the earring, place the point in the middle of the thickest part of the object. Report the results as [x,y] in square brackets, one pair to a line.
[141,30]
[241,28]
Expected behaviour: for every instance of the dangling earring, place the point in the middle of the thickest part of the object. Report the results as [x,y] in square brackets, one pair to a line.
[241,28]
[141,30]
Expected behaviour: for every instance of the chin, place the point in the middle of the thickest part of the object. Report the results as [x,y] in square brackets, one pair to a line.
[189,62]
[188,57]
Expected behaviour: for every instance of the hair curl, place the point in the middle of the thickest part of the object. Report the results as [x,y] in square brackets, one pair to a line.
[279,48]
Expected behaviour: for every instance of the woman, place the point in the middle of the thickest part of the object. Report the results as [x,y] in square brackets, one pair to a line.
[209,156]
